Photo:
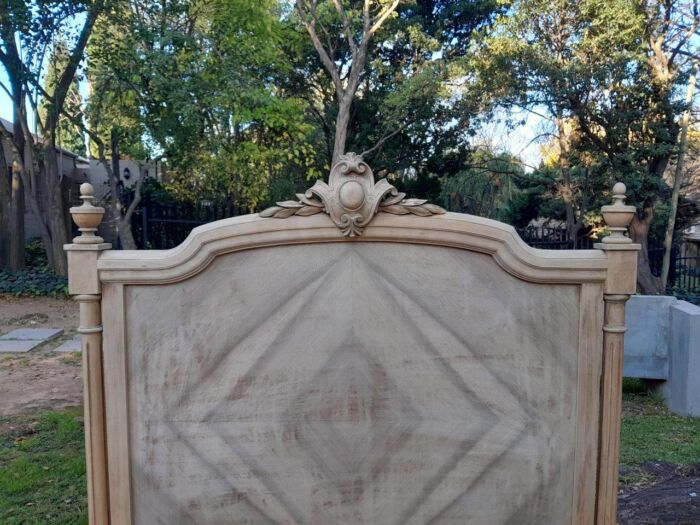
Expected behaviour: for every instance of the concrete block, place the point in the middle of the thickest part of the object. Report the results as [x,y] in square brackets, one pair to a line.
[682,390]
[10,346]
[646,340]
[32,334]
[72,345]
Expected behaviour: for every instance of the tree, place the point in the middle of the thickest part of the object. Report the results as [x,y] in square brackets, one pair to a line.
[200,84]
[359,23]
[485,187]
[607,70]
[68,135]
[27,30]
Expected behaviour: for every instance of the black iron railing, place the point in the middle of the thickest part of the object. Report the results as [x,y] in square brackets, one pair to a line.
[163,226]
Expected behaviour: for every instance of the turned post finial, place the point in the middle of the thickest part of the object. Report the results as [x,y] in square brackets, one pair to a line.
[87,216]
[618,216]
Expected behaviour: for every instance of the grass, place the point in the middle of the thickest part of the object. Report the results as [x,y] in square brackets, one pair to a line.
[650,433]
[42,463]
[42,469]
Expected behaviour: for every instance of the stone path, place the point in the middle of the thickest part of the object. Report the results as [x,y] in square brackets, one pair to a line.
[72,345]
[26,339]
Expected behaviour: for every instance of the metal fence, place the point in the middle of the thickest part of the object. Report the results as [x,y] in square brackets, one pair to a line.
[684,271]
[553,238]
[163,226]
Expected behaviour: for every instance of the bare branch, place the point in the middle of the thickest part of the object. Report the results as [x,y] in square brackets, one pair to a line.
[382,17]
[322,53]
[346,26]
[384,139]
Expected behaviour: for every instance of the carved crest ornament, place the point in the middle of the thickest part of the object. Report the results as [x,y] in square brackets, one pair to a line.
[351,198]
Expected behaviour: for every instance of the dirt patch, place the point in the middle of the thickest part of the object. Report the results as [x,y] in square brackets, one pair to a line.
[39,379]
[38,312]
[665,495]
[642,407]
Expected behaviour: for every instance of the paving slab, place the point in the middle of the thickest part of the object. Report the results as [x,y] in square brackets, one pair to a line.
[72,345]
[32,334]
[10,346]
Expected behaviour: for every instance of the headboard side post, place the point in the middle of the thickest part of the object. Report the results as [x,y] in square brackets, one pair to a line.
[620,283]
[84,285]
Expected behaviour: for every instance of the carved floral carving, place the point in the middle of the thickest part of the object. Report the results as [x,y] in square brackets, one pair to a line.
[352,198]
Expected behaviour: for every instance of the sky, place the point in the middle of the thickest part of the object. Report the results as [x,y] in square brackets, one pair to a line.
[5,103]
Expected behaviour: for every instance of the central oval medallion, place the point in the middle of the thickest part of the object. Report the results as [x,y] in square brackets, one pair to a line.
[351,195]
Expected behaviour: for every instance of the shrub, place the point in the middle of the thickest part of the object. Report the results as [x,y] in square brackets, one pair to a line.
[33,282]
[34,253]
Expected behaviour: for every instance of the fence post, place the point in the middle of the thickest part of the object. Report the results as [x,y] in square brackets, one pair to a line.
[620,283]
[84,284]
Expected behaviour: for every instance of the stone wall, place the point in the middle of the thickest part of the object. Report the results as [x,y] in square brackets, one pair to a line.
[663,343]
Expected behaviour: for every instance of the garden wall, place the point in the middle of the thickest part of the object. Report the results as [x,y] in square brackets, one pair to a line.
[663,343]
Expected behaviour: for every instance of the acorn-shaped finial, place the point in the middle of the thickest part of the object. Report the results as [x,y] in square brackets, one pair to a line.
[87,216]
[618,216]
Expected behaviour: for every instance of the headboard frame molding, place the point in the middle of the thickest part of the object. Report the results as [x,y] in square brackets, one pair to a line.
[455,230]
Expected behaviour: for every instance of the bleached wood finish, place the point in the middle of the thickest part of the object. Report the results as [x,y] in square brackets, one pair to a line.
[456,230]
[433,370]
[85,285]
[93,394]
[620,283]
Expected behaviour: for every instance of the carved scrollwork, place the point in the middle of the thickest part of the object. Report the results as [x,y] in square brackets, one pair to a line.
[351,198]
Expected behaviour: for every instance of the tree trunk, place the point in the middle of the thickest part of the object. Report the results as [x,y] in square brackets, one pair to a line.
[126,236]
[16,223]
[677,178]
[341,127]
[14,213]
[5,205]
[639,232]
[56,209]
[573,225]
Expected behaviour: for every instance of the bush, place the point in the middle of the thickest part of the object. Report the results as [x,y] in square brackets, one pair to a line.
[33,282]
[34,253]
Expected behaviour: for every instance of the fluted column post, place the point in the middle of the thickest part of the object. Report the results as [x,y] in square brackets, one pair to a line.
[84,284]
[620,283]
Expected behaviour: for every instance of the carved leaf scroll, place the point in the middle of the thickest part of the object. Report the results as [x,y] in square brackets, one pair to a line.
[352,198]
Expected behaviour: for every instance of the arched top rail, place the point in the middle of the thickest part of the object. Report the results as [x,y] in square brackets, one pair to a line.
[456,230]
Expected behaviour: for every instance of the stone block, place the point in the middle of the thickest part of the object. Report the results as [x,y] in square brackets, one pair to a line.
[32,334]
[682,390]
[15,346]
[72,345]
[646,340]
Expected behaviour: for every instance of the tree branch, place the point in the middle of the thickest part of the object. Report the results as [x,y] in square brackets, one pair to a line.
[346,26]
[322,53]
[383,16]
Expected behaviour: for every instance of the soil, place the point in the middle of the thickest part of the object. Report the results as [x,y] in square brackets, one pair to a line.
[39,379]
[669,495]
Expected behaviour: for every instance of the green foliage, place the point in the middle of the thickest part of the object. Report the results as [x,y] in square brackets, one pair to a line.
[42,469]
[36,279]
[35,253]
[589,68]
[199,86]
[68,135]
[486,187]
[33,281]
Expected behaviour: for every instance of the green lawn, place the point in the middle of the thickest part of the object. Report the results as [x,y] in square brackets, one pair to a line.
[655,434]
[42,469]
[42,464]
